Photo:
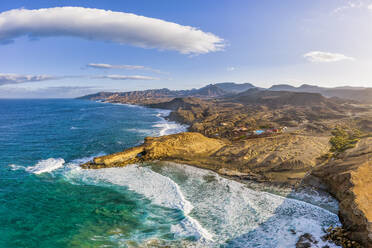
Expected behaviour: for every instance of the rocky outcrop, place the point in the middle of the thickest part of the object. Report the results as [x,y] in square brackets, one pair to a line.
[176,147]
[306,241]
[349,179]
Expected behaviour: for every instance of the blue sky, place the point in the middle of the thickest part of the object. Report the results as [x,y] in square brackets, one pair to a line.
[263,42]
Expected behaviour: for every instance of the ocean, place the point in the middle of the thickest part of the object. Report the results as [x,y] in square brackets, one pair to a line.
[46,200]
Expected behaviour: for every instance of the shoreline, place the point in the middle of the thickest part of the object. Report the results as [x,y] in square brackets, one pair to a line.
[160,115]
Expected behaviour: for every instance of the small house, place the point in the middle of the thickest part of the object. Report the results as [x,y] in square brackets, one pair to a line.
[259,132]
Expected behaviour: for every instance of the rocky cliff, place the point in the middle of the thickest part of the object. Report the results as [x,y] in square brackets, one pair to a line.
[176,147]
[349,179]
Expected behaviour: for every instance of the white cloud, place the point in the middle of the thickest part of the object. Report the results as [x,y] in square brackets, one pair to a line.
[351,4]
[18,79]
[125,67]
[317,56]
[370,7]
[231,68]
[126,77]
[108,66]
[105,25]
[13,91]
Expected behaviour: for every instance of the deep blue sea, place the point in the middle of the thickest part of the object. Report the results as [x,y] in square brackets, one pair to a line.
[46,200]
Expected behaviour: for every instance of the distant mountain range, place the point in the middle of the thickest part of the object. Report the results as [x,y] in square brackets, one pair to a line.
[234,87]
[279,98]
[237,91]
[359,94]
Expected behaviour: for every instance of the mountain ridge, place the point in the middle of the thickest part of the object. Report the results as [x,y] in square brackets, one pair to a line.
[360,94]
[229,89]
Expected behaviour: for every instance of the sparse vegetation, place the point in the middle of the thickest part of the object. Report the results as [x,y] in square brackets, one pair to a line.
[344,139]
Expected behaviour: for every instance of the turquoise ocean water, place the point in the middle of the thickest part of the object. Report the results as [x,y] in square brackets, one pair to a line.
[46,200]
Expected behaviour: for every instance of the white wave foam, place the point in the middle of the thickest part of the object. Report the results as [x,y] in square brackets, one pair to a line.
[16,167]
[160,189]
[47,165]
[245,217]
[168,127]
[191,227]
[163,112]
[164,127]
[218,211]
[126,104]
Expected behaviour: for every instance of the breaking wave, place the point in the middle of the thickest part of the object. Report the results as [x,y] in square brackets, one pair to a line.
[238,216]
[166,127]
[46,166]
[217,211]
[16,167]
[160,189]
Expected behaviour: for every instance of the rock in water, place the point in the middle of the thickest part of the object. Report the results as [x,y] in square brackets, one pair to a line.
[306,241]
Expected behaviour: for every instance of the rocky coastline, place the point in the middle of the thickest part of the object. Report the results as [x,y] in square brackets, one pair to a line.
[291,159]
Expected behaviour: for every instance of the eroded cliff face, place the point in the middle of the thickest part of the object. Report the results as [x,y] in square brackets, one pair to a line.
[349,179]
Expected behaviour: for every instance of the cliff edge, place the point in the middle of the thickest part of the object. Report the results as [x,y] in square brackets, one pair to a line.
[349,179]
[175,147]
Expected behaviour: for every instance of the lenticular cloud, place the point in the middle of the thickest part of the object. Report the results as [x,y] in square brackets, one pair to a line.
[105,25]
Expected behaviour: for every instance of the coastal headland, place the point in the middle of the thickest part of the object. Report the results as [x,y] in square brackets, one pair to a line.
[284,138]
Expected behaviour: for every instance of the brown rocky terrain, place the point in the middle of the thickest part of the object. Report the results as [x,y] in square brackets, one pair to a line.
[223,117]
